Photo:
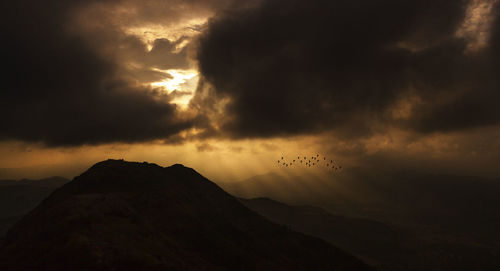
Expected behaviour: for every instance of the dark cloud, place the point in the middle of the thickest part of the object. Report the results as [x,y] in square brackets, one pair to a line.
[60,89]
[298,67]
[73,74]
[149,65]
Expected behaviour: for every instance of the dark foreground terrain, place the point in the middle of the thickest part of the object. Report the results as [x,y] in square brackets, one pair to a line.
[137,216]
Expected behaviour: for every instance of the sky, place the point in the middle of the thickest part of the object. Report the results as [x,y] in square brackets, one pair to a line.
[229,86]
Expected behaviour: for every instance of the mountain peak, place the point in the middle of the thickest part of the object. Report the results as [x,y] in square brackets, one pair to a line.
[119,163]
[120,175]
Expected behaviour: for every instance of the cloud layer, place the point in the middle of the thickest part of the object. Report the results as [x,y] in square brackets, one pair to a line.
[72,75]
[76,72]
[299,67]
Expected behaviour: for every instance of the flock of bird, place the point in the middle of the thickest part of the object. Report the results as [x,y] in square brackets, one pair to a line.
[310,161]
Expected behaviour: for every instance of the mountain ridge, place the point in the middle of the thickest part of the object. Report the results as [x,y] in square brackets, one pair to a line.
[139,216]
[54,181]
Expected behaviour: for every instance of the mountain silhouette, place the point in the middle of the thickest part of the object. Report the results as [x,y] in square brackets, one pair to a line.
[441,222]
[368,239]
[51,182]
[137,216]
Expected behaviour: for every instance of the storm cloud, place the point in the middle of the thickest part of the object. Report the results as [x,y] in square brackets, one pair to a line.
[65,81]
[80,72]
[302,67]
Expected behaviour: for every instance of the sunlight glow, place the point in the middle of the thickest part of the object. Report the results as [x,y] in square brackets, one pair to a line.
[180,77]
[182,81]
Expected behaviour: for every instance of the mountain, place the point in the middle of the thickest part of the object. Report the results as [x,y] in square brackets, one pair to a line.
[19,197]
[462,203]
[442,222]
[137,216]
[51,182]
[381,245]
[368,239]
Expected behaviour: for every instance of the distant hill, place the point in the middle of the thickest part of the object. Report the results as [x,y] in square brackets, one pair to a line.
[51,182]
[394,197]
[19,197]
[442,222]
[365,238]
[137,216]
[379,244]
